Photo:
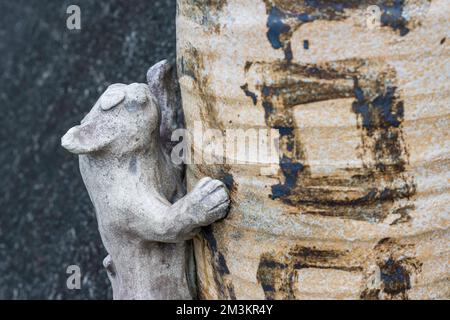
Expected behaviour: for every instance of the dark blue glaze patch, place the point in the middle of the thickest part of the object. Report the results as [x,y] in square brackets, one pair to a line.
[250,94]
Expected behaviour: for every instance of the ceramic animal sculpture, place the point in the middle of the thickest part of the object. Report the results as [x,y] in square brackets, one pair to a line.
[144,217]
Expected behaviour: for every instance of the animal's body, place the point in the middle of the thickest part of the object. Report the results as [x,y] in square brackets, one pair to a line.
[144,218]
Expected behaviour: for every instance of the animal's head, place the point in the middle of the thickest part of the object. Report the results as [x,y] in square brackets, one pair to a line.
[125,118]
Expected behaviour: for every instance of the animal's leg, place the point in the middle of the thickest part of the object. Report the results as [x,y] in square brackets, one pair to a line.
[205,204]
[158,221]
[108,264]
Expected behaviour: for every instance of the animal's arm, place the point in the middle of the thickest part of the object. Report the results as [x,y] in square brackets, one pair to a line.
[181,221]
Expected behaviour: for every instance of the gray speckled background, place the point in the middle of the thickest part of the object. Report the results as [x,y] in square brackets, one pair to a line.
[50,77]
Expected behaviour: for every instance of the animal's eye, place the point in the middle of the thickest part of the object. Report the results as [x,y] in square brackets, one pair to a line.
[132,106]
[111,98]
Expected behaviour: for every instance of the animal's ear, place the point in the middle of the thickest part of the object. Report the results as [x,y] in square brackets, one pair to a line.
[85,138]
[112,97]
[158,78]
[163,85]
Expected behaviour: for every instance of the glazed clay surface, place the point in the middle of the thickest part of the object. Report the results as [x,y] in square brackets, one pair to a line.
[144,217]
[358,203]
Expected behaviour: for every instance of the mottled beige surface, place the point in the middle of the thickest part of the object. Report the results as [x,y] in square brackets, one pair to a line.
[324,240]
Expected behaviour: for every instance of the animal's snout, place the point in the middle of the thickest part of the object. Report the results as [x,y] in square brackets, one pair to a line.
[85,138]
[68,140]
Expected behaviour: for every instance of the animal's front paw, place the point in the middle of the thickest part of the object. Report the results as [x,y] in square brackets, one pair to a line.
[212,199]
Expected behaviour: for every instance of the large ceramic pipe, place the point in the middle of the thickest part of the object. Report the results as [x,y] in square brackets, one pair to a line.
[356,204]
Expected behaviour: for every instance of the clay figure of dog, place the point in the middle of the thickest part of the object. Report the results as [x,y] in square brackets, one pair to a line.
[143,214]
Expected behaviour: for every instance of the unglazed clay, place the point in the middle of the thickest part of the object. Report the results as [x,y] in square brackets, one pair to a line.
[144,217]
